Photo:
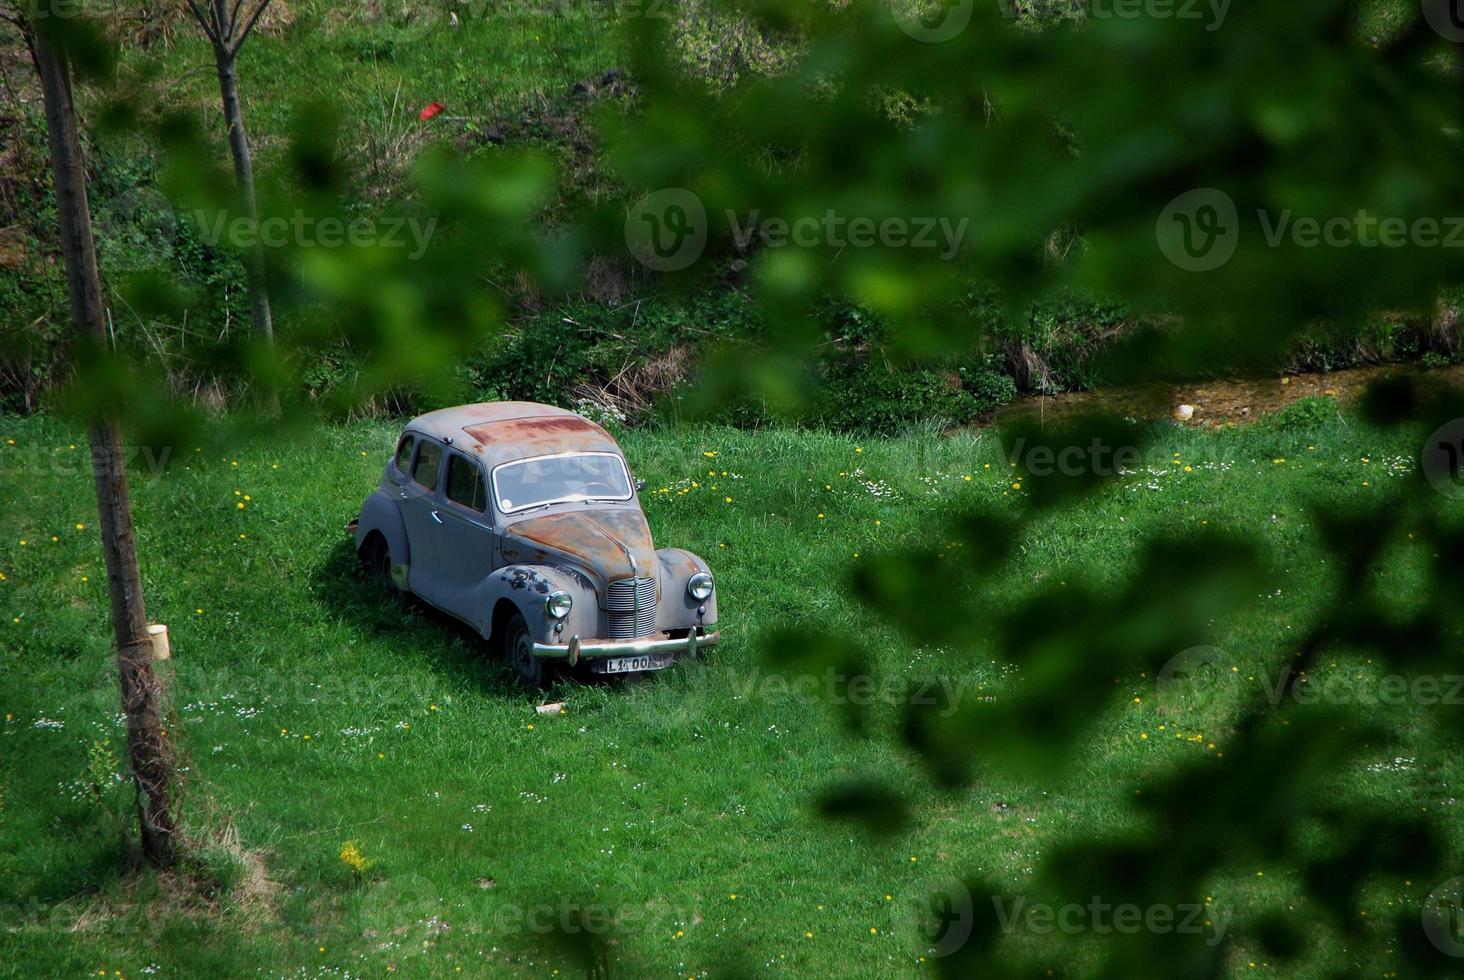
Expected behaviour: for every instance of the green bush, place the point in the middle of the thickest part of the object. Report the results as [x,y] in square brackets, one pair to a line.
[878,399]
[1304,415]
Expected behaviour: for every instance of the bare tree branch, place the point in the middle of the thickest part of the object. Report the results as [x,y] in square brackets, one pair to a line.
[203,21]
[249,27]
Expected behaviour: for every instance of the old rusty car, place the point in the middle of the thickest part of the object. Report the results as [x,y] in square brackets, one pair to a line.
[522,520]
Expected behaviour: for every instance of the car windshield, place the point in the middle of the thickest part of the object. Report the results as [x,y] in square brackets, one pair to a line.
[555,479]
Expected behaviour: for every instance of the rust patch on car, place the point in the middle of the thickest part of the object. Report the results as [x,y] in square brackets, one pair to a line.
[598,540]
[542,435]
[580,578]
[525,579]
[679,563]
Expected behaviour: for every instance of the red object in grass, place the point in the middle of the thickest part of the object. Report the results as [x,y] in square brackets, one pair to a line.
[431,110]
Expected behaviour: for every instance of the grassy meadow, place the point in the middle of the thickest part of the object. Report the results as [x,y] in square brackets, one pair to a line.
[369,794]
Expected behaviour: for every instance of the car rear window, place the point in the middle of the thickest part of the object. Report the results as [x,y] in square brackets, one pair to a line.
[429,461]
[465,483]
[404,454]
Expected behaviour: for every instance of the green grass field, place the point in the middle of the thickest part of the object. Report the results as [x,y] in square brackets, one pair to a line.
[313,712]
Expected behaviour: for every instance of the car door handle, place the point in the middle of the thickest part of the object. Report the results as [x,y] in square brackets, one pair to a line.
[402,494]
[437,517]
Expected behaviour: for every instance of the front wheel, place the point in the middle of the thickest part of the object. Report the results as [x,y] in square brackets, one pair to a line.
[533,670]
[377,558]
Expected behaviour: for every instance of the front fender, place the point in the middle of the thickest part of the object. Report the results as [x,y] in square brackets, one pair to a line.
[527,587]
[677,609]
[379,513]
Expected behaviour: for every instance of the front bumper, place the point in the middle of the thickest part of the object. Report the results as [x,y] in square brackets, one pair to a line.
[574,651]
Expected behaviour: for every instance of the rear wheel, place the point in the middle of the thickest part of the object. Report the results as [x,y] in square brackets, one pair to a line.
[533,670]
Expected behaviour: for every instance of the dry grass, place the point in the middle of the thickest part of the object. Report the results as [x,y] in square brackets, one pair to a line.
[635,389]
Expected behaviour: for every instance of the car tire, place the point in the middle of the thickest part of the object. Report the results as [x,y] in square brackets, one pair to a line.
[378,565]
[519,647]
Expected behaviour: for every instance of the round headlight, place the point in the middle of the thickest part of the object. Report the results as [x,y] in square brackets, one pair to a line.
[699,586]
[559,604]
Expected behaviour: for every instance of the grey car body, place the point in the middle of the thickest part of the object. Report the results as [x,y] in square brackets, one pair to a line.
[441,526]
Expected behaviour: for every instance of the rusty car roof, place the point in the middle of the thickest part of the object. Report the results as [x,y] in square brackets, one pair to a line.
[497,432]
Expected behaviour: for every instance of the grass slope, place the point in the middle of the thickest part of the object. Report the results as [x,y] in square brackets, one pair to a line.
[313,712]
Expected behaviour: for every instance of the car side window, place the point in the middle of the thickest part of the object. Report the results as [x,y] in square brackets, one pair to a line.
[429,463]
[404,454]
[465,483]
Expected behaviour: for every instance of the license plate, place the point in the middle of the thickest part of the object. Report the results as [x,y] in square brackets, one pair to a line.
[626,665]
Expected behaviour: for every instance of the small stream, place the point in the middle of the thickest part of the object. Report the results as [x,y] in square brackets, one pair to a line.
[1217,402]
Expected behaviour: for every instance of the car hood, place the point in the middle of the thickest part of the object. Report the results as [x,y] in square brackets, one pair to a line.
[595,539]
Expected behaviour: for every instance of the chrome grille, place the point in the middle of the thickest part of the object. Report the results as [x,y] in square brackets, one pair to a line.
[621,600]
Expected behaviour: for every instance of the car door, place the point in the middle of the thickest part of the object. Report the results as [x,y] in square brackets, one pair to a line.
[465,555]
[422,518]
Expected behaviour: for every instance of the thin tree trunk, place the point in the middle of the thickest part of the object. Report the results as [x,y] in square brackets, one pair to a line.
[259,312]
[147,747]
[226,62]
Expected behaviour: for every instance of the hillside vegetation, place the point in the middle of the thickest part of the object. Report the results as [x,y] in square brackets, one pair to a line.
[509,77]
